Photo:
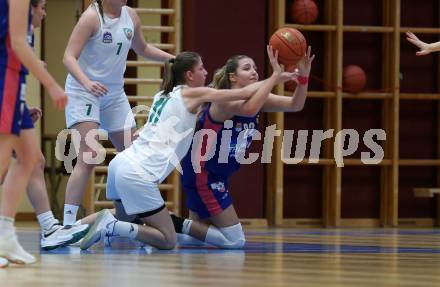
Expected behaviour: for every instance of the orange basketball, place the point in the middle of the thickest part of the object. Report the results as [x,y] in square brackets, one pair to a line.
[304,11]
[290,85]
[354,79]
[291,45]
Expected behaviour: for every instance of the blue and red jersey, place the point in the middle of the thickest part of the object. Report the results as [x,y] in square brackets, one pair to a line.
[207,191]
[14,114]
[7,56]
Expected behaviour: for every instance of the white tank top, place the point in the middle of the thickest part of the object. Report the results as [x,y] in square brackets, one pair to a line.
[165,138]
[104,56]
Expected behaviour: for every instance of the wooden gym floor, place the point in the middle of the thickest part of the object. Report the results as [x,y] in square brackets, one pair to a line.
[272,257]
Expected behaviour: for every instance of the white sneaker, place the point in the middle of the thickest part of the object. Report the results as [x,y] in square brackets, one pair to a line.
[76,244]
[99,229]
[59,236]
[13,252]
[3,262]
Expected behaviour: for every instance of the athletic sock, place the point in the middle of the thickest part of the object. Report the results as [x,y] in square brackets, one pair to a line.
[70,212]
[124,229]
[6,225]
[186,226]
[47,220]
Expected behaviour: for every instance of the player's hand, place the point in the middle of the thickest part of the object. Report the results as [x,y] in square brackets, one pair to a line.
[96,88]
[273,58]
[278,70]
[59,97]
[305,63]
[35,113]
[424,47]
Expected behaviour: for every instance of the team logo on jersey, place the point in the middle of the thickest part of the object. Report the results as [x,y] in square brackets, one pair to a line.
[107,38]
[128,33]
[219,186]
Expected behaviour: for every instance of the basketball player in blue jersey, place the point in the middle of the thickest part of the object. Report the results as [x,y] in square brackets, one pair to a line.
[135,173]
[95,58]
[213,218]
[16,128]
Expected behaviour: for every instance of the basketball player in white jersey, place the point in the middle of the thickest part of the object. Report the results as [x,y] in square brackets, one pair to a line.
[95,58]
[135,173]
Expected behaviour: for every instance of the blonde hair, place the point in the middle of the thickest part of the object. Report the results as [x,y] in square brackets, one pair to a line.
[221,77]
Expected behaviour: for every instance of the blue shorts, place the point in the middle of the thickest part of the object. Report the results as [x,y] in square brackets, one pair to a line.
[14,114]
[207,195]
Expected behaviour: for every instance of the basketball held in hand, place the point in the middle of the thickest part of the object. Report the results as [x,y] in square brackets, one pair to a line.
[291,45]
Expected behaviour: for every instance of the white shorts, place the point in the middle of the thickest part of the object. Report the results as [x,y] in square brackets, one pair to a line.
[112,111]
[129,183]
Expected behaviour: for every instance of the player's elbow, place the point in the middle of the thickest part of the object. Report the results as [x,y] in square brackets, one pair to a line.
[66,58]
[297,108]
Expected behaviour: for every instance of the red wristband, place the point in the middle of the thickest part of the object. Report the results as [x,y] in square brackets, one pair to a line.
[303,80]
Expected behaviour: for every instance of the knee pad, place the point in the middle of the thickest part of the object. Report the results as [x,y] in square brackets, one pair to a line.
[235,235]
[231,237]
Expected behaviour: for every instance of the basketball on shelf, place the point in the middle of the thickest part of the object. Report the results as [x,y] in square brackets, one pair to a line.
[304,11]
[354,79]
[291,45]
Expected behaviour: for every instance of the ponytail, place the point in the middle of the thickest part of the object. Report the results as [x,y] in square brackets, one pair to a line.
[175,69]
[168,77]
[221,78]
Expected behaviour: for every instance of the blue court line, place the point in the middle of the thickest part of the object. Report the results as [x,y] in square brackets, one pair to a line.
[329,248]
[125,247]
[345,233]
[286,248]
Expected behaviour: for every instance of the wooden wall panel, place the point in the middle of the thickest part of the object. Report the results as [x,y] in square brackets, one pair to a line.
[217,30]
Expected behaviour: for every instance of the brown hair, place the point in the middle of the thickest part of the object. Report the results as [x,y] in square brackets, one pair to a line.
[175,69]
[34,3]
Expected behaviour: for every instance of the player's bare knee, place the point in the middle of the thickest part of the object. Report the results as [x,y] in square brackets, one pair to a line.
[41,162]
[170,241]
[28,158]
[85,164]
